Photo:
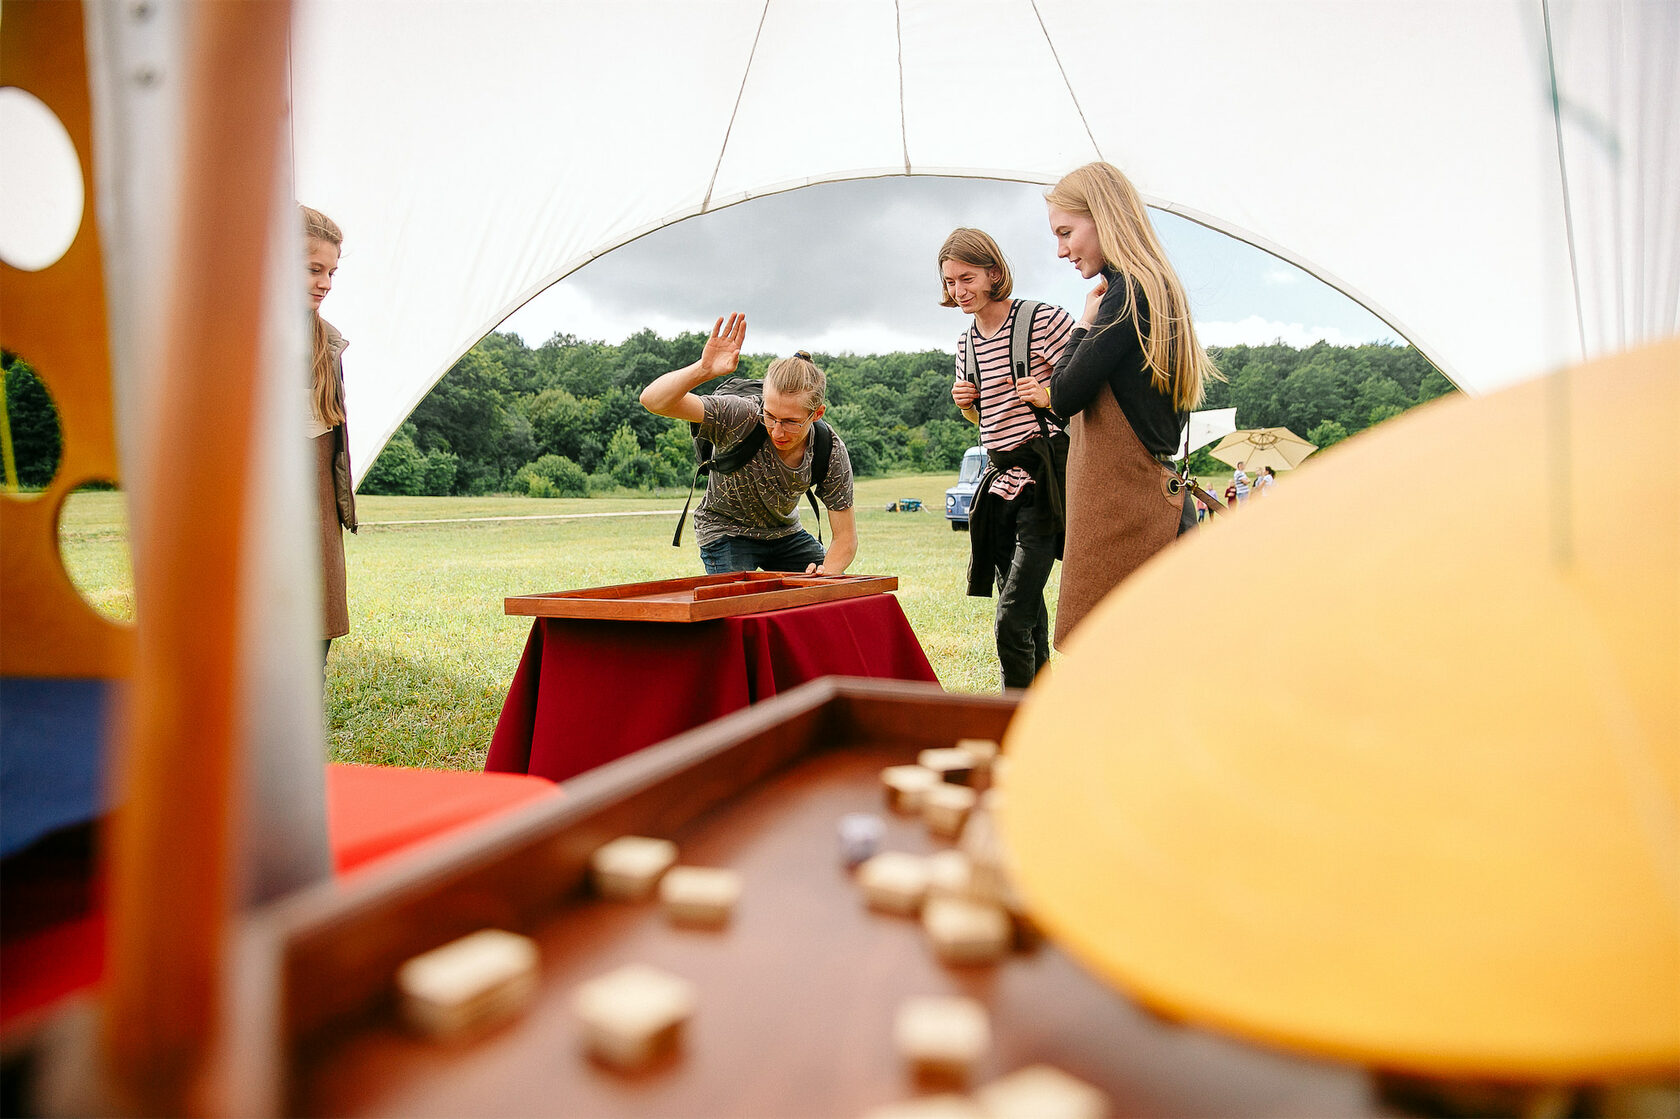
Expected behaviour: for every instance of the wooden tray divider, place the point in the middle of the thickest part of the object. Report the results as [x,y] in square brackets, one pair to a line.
[632,590]
[757,586]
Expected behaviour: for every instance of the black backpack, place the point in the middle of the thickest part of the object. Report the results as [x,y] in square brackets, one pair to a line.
[731,459]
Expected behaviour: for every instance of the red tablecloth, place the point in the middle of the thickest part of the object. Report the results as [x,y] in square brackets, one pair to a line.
[590,692]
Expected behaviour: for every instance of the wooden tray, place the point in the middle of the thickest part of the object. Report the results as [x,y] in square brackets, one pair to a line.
[699,598]
[797,993]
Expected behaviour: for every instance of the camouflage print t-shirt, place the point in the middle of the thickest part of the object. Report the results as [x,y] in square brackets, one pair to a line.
[761,500]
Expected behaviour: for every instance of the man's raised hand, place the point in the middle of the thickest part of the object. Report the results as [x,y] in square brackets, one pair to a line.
[723,348]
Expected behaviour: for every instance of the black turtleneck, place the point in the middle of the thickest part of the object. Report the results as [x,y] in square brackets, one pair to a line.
[1113,357]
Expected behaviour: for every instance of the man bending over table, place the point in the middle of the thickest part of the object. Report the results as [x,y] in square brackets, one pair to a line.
[748,518]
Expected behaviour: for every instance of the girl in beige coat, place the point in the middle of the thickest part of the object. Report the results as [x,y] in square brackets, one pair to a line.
[335,499]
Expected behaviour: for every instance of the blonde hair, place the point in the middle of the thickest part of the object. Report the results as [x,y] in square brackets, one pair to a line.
[1178,366]
[976,247]
[798,376]
[326,389]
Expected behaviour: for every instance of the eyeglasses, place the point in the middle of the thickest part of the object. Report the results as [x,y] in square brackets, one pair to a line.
[776,424]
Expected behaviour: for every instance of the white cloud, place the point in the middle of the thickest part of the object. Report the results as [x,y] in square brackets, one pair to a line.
[1282,276]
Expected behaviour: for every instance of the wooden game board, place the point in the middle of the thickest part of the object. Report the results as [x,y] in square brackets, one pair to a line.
[699,598]
[798,991]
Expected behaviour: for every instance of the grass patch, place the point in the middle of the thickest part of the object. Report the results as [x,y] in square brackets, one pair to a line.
[421,678]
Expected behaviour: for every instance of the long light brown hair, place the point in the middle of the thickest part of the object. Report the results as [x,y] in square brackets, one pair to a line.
[325,387]
[1178,366]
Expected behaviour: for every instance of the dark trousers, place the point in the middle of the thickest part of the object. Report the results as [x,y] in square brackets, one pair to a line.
[794,552]
[1023,553]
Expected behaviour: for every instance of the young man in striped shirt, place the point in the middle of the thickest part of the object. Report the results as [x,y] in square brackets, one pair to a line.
[1016,523]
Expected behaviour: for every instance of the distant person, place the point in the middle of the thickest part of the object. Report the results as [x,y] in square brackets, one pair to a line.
[1239,479]
[748,519]
[1263,481]
[1016,522]
[1127,381]
[335,497]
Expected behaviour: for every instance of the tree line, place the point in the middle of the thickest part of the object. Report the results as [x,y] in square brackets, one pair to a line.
[564,419]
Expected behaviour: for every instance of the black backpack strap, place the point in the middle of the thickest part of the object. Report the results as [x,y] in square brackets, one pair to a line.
[821,455]
[676,537]
[731,460]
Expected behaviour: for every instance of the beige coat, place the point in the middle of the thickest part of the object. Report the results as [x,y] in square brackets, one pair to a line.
[336,503]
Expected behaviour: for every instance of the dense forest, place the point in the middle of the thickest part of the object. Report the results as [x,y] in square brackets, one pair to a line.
[563,419]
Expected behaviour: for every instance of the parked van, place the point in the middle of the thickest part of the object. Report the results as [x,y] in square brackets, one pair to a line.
[959,499]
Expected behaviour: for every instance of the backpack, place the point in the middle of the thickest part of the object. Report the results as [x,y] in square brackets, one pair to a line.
[1020,354]
[731,459]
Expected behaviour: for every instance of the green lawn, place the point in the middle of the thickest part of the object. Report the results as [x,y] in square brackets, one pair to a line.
[421,678]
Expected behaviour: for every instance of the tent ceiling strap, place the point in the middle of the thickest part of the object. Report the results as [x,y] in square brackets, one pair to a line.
[1562,519]
[1563,174]
[903,130]
[706,203]
[1074,97]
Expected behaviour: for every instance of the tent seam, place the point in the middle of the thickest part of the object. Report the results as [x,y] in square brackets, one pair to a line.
[903,128]
[1563,178]
[1563,529]
[1077,107]
[739,93]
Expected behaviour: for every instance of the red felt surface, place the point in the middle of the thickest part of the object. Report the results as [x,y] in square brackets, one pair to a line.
[375,810]
[54,929]
[589,692]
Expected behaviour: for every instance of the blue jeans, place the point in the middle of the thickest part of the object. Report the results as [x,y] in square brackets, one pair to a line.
[794,552]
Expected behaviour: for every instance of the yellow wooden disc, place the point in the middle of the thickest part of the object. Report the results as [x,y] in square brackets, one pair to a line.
[1387,766]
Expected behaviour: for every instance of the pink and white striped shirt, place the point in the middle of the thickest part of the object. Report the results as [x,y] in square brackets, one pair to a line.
[1005,421]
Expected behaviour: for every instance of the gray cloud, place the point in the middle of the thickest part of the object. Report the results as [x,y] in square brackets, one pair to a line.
[852,265]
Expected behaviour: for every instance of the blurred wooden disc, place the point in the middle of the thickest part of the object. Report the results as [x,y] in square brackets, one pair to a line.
[1386,767]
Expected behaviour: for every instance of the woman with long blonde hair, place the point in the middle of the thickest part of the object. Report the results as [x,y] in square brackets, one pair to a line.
[335,497]
[1126,382]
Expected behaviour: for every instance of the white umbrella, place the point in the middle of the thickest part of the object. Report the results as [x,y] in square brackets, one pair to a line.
[1204,427]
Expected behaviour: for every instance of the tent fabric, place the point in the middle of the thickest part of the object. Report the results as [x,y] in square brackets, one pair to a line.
[1405,151]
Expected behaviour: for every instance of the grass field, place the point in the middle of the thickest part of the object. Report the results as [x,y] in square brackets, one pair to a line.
[421,678]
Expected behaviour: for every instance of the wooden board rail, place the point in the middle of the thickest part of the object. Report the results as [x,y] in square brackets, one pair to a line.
[698,598]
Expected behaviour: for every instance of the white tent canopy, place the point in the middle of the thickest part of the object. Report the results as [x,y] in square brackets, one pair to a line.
[1405,151]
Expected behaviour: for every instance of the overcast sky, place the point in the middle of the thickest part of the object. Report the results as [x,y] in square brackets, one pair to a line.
[852,267]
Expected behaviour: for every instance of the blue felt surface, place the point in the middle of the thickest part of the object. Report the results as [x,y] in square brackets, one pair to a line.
[52,754]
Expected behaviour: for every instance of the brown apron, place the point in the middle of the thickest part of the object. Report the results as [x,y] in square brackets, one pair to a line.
[1122,508]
